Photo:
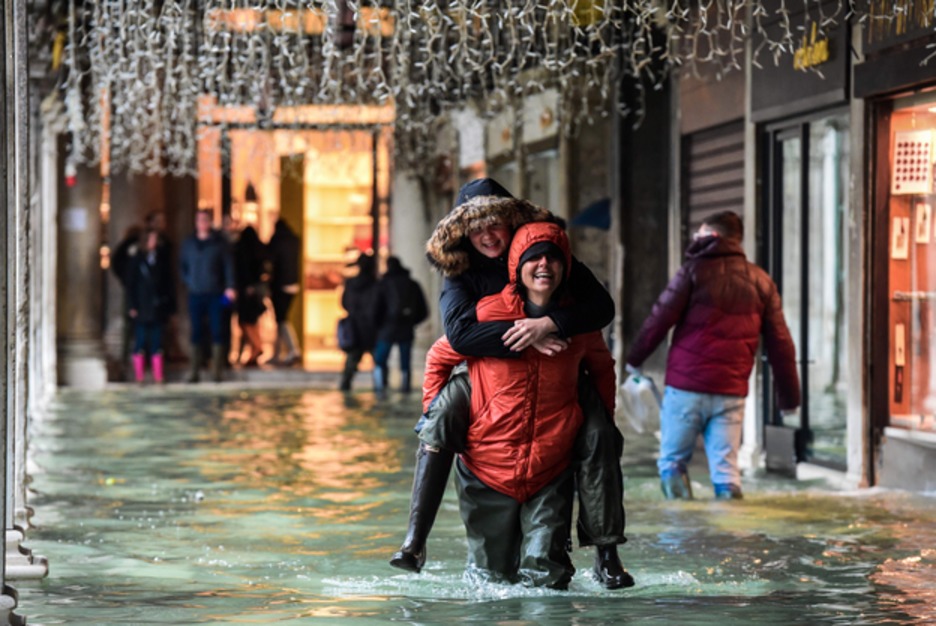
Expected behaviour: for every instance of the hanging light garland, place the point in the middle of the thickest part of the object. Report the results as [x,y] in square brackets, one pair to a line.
[155,62]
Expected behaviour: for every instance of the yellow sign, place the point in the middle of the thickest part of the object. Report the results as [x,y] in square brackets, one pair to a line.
[811,53]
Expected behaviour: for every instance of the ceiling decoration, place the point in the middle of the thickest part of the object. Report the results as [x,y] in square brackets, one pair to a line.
[153,72]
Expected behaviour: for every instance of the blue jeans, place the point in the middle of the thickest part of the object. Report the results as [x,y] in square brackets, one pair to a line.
[210,305]
[382,354]
[718,418]
[148,337]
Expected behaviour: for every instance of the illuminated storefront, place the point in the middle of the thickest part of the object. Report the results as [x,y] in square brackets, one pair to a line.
[900,92]
[326,172]
[912,264]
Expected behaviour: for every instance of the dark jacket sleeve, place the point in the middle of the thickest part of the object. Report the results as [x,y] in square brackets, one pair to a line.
[781,352]
[465,333]
[227,258]
[120,261]
[667,311]
[132,282]
[592,308]
[185,264]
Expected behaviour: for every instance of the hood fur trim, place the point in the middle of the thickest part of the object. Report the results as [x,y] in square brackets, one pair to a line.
[447,248]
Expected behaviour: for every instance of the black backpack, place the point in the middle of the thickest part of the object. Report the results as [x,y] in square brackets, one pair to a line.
[413,307]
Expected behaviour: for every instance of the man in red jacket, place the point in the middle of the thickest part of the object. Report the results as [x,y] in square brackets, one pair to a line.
[721,305]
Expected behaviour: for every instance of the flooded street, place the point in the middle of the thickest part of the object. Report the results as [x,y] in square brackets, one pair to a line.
[226,506]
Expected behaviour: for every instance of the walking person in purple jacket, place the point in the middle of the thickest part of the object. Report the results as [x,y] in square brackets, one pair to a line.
[721,305]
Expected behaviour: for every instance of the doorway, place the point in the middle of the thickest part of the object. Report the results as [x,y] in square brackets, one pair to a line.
[331,185]
[803,249]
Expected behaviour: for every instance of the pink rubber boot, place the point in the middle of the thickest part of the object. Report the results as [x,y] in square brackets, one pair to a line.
[158,368]
[139,367]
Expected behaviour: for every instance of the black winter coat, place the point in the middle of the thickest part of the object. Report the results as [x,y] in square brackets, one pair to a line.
[403,304]
[149,287]
[284,256]
[361,299]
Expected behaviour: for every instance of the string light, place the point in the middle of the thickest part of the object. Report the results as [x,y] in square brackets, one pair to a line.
[156,61]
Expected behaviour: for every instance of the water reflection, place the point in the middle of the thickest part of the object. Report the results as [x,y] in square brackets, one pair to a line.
[166,507]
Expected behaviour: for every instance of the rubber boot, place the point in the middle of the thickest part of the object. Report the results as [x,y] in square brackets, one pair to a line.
[139,366]
[291,342]
[196,363]
[608,568]
[157,363]
[405,382]
[676,486]
[429,481]
[725,491]
[380,382]
[217,362]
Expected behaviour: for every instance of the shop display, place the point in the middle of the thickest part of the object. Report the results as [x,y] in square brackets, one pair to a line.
[912,272]
[913,162]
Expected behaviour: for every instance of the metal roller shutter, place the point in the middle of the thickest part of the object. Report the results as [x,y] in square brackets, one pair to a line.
[713,174]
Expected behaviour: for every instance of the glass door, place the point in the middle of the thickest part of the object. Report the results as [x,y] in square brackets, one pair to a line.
[805,255]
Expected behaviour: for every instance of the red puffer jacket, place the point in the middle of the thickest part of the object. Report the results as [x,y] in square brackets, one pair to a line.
[720,304]
[524,412]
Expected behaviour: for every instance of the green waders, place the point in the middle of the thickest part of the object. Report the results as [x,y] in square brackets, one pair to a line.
[511,541]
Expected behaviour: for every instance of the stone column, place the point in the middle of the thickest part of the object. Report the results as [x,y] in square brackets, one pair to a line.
[81,350]
[19,561]
[12,182]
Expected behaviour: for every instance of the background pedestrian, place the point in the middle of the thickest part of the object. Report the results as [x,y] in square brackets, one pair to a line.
[721,305]
[404,306]
[208,272]
[284,249]
[250,273]
[360,299]
[151,300]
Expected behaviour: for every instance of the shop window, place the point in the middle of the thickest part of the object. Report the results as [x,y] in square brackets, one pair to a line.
[912,266]
[808,182]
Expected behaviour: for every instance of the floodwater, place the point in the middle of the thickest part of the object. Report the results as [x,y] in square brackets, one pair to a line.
[234,506]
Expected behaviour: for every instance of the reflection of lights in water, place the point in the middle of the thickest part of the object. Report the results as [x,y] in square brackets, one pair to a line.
[311,448]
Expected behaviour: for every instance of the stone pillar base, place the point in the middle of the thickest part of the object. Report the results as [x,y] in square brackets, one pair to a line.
[83,365]
[7,603]
[20,562]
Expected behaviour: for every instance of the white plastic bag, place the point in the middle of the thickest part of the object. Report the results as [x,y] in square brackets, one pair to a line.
[640,403]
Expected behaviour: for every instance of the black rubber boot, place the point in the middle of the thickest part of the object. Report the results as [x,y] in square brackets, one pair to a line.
[676,487]
[429,481]
[195,363]
[218,361]
[609,570]
[405,384]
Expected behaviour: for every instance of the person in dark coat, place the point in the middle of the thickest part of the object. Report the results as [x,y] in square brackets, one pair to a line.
[404,306]
[284,249]
[151,300]
[121,257]
[207,271]
[721,305]
[469,247]
[250,261]
[361,300]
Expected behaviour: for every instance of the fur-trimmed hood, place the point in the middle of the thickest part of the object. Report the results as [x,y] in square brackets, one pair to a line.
[448,249]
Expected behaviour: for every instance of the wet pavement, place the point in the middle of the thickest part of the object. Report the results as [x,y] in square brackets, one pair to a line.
[219,504]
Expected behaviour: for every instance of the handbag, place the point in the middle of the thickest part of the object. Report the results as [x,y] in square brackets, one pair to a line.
[347,335]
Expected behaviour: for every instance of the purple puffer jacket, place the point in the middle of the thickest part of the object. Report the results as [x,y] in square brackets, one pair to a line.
[721,305]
